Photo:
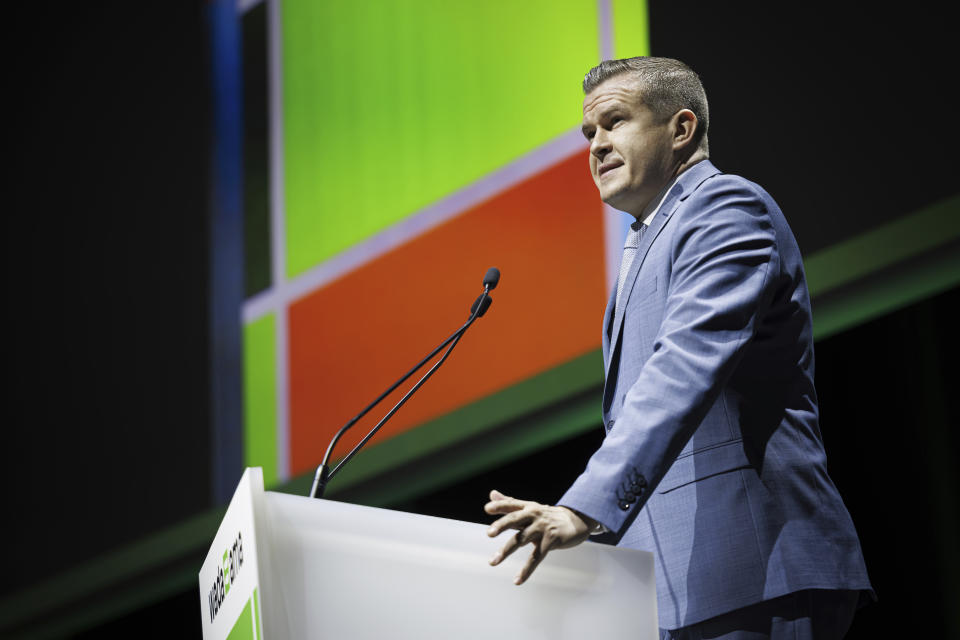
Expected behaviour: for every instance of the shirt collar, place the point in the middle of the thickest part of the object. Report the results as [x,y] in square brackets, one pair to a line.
[653,212]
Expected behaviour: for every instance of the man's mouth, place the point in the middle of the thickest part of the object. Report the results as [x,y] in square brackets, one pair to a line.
[607,167]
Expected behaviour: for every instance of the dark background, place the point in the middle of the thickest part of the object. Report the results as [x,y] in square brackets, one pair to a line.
[106,256]
[840,112]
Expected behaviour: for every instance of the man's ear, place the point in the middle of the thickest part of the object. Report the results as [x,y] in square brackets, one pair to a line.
[684,124]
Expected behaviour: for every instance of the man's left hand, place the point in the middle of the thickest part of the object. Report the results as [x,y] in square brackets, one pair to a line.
[545,527]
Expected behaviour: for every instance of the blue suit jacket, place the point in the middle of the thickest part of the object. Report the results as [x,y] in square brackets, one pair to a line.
[713,458]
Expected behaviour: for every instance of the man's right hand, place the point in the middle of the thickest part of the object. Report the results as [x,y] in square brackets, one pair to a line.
[546,527]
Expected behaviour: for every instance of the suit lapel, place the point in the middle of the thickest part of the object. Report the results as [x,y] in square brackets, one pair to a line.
[607,318]
[685,185]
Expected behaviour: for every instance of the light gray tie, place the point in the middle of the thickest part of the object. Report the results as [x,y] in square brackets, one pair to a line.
[629,251]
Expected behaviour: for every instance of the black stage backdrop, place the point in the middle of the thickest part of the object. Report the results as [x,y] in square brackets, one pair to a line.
[107,432]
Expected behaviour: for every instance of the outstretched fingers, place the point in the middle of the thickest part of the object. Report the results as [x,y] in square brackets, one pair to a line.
[540,549]
[513,520]
[535,523]
[504,505]
[514,543]
[536,557]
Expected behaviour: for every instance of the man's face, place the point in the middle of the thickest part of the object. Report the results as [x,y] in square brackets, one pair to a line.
[630,151]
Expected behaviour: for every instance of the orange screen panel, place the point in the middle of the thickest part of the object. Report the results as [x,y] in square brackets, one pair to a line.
[352,338]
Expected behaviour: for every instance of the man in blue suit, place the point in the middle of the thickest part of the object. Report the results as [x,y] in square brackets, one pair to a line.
[713,458]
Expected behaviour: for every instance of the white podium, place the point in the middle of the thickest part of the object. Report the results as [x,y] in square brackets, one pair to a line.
[289,567]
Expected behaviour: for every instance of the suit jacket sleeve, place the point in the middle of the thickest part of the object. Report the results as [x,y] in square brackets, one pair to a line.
[724,264]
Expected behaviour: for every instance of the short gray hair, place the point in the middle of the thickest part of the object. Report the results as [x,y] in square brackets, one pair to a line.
[666,86]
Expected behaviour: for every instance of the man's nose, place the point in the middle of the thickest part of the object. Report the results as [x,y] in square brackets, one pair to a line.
[600,145]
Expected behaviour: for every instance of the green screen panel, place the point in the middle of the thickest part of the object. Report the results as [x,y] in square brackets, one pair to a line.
[260,397]
[391,105]
[631,36]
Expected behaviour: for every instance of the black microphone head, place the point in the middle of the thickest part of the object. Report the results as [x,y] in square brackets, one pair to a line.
[483,305]
[491,279]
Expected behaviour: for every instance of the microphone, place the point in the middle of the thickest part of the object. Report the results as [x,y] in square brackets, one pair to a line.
[491,279]
[477,309]
[482,303]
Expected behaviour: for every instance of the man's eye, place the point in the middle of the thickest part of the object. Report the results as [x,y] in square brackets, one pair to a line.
[615,120]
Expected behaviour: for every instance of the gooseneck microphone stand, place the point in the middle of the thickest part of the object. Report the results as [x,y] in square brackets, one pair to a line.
[477,309]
